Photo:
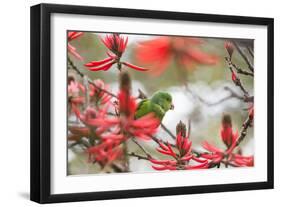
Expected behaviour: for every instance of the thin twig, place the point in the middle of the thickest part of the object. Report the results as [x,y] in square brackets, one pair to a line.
[238,69]
[243,55]
[243,132]
[237,81]
[232,94]
[189,129]
[168,131]
[141,147]
[140,157]
[250,51]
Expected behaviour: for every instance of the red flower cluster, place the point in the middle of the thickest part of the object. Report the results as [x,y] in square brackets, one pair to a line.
[71,49]
[112,131]
[106,152]
[97,93]
[125,125]
[180,157]
[159,52]
[117,45]
[228,157]
[75,89]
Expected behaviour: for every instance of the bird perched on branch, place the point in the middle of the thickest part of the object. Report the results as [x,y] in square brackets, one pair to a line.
[159,104]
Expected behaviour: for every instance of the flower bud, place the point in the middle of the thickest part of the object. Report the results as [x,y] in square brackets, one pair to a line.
[181,129]
[234,77]
[251,112]
[226,130]
[125,81]
[226,120]
[229,48]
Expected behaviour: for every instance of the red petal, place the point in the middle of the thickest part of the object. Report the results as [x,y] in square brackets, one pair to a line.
[211,148]
[201,57]
[198,159]
[233,77]
[103,67]
[97,63]
[164,168]
[200,166]
[135,67]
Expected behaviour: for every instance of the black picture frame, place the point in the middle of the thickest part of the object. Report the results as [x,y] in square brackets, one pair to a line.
[41,102]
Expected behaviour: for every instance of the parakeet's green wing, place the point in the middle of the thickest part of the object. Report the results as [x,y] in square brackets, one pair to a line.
[158,111]
[144,107]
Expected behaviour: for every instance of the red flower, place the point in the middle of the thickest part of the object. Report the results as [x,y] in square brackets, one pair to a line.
[126,123]
[180,157]
[160,51]
[97,93]
[124,126]
[106,152]
[74,90]
[72,50]
[117,45]
[227,156]
[113,131]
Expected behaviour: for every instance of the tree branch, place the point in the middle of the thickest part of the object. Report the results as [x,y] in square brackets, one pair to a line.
[140,157]
[247,123]
[243,55]
[142,148]
[250,51]
[237,81]
[238,69]
[72,66]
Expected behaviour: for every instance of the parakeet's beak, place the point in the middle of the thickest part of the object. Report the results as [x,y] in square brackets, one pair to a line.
[172,107]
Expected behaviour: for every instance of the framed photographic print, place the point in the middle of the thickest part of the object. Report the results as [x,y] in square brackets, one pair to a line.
[132,103]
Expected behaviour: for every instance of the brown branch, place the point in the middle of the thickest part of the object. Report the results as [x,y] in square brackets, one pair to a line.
[72,66]
[142,148]
[140,157]
[243,55]
[247,123]
[250,51]
[189,129]
[168,131]
[237,68]
[232,94]
[237,81]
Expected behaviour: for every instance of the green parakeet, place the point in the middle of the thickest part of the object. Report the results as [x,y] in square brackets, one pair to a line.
[159,104]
